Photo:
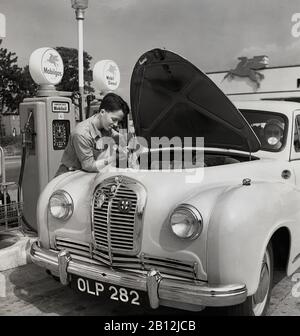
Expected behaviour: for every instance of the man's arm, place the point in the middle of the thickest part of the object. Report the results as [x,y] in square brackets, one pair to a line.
[84,151]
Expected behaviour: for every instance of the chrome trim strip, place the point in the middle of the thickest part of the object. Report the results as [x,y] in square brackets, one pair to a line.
[296,258]
[175,290]
[108,232]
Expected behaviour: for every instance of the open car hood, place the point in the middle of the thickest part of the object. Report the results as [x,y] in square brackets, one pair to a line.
[170,97]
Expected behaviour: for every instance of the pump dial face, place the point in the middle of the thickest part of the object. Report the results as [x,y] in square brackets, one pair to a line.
[60,132]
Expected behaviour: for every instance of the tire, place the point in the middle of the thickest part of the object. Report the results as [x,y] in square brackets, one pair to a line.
[257,304]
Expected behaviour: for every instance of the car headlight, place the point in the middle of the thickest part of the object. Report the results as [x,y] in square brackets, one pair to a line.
[61,205]
[186,222]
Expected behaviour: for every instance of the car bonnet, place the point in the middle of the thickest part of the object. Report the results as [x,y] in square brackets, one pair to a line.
[170,97]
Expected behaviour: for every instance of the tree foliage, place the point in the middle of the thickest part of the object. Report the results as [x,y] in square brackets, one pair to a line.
[27,84]
[70,78]
[10,74]
[15,82]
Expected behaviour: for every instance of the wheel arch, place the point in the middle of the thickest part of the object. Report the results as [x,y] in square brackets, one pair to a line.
[281,245]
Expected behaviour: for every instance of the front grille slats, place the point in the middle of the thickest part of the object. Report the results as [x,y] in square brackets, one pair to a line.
[175,263]
[121,224]
[101,259]
[122,246]
[101,235]
[163,265]
[116,211]
[101,226]
[100,254]
[122,233]
[101,238]
[100,216]
[101,229]
[144,262]
[78,248]
[122,239]
[113,227]
[121,228]
[121,220]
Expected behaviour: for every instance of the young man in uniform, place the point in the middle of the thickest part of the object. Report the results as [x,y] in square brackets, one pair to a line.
[85,144]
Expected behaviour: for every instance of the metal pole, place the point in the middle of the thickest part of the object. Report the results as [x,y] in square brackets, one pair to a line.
[2,160]
[4,186]
[80,18]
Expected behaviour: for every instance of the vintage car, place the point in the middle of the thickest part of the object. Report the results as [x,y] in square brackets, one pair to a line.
[210,234]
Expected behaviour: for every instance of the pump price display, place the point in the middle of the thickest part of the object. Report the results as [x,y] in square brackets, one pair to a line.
[60,107]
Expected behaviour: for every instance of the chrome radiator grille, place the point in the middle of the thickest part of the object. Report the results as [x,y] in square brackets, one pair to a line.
[115,219]
[184,269]
[117,210]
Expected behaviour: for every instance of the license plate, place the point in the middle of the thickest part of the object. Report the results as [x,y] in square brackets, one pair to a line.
[104,290]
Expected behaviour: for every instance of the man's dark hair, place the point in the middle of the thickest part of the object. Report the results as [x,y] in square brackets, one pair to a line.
[112,102]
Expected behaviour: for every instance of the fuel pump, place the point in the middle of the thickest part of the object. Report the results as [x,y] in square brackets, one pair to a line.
[46,122]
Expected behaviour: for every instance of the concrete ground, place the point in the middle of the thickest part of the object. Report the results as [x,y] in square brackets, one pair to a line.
[28,290]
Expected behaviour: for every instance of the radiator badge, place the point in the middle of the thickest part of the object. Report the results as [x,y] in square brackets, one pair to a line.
[100,201]
[113,189]
[124,205]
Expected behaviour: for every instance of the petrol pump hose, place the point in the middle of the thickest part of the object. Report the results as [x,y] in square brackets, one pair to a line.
[23,161]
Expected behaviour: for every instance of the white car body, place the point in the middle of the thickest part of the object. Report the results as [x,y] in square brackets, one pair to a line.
[244,206]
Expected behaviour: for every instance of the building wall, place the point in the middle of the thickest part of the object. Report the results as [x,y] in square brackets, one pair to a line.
[276,81]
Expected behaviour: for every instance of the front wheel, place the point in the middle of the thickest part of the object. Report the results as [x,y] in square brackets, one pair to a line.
[257,304]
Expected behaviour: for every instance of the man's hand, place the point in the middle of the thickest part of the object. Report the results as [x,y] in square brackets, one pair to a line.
[123,153]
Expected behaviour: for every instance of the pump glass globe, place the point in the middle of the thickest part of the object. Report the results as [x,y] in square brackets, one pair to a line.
[79,4]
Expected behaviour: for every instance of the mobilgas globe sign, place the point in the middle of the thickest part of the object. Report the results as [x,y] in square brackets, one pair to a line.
[46,66]
[106,75]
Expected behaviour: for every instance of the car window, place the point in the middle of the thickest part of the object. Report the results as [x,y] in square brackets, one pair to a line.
[269,127]
[297,134]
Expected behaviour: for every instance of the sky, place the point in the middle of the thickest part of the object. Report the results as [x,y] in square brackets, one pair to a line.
[209,33]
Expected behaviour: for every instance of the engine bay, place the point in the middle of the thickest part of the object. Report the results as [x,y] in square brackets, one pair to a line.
[188,159]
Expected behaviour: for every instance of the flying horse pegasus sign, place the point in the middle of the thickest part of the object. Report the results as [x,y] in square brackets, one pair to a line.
[247,67]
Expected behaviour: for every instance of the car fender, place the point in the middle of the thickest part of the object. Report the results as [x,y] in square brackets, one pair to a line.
[240,227]
[44,219]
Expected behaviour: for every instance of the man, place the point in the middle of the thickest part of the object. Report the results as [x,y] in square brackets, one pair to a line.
[86,146]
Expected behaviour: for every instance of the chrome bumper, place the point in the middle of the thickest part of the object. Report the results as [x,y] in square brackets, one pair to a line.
[159,289]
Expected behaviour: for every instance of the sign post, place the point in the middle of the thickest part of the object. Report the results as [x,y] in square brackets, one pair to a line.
[2,26]
[80,6]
